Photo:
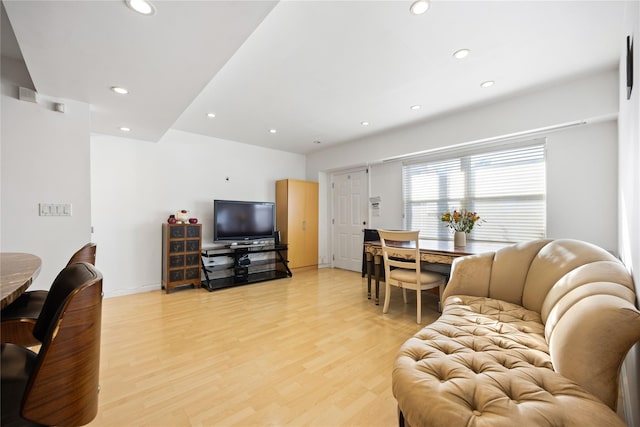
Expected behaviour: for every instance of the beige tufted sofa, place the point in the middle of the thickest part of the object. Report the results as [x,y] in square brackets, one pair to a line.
[531,335]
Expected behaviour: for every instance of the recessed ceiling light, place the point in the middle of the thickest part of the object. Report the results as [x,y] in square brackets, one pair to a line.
[488,83]
[462,53]
[364,123]
[119,90]
[272,131]
[419,7]
[211,115]
[141,6]
[416,107]
[125,129]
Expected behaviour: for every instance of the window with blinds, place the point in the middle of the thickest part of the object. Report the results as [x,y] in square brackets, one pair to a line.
[505,186]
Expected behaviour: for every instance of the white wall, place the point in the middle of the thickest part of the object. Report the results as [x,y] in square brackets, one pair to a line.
[385,181]
[581,98]
[136,185]
[629,196]
[582,165]
[581,176]
[45,159]
[582,161]
[629,128]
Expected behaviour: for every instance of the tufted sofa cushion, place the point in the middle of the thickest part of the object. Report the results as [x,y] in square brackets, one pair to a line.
[485,362]
[545,351]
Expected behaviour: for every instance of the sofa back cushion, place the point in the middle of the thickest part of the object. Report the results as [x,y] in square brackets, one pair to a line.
[553,261]
[510,269]
[614,273]
[590,340]
[500,275]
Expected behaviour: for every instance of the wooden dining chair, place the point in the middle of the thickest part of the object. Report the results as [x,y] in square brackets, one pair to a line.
[401,254]
[58,386]
[19,317]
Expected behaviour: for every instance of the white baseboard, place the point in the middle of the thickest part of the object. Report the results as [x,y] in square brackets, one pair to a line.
[131,291]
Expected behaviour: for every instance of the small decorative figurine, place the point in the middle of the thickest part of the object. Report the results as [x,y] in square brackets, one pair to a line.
[172,219]
[182,216]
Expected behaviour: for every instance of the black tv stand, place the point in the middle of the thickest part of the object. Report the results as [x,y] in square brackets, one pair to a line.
[242,274]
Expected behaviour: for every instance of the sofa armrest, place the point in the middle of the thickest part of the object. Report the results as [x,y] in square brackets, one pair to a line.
[470,275]
[590,341]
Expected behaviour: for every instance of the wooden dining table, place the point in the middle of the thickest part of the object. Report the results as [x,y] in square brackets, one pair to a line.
[17,271]
[441,252]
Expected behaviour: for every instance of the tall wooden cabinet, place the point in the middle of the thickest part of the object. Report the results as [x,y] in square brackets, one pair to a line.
[297,220]
[181,252]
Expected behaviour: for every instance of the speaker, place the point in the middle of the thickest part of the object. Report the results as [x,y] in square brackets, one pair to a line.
[240,273]
[276,237]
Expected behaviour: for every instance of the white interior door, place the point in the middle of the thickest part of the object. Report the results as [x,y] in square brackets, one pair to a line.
[350,218]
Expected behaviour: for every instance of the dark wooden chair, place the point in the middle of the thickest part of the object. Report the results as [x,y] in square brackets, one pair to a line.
[19,317]
[59,385]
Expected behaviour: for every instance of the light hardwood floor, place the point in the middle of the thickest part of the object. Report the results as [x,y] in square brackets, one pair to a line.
[311,350]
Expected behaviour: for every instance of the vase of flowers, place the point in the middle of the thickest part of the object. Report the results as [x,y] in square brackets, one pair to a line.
[461,222]
[459,239]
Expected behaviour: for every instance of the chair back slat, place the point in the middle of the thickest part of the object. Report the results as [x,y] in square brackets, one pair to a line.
[400,248]
[401,264]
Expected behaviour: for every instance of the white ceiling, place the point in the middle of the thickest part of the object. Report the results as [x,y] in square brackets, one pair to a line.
[312,70]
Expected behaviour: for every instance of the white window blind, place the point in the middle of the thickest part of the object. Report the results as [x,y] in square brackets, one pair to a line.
[505,186]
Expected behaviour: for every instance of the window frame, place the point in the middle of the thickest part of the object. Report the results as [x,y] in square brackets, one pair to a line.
[535,199]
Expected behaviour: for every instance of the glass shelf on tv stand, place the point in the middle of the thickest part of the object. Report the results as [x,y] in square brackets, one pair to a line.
[240,273]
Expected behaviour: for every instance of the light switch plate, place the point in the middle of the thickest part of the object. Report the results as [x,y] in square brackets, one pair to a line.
[55,209]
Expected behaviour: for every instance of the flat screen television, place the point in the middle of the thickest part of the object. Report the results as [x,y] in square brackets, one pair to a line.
[242,221]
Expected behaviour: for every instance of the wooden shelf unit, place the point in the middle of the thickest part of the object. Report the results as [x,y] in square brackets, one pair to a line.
[181,248]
